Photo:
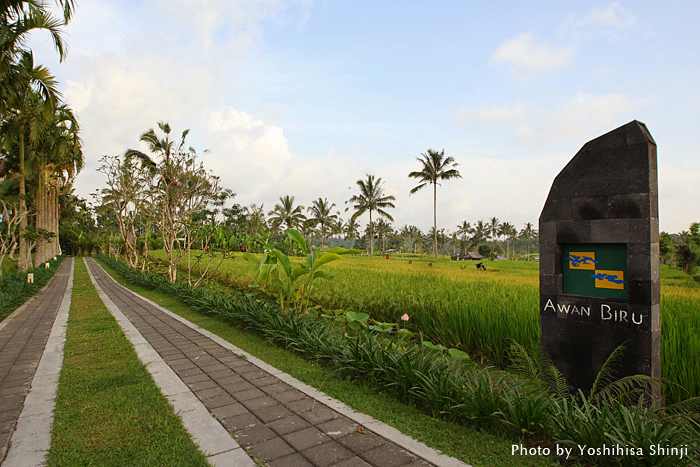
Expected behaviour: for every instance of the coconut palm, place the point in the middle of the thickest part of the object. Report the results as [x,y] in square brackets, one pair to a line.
[336,226]
[508,231]
[435,167]
[285,213]
[464,229]
[528,233]
[494,229]
[383,230]
[371,198]
[163,148]
[350,230]
[482,233]
[320,211]
[255,218]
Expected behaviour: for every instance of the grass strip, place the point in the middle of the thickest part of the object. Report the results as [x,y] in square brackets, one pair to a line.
[465,443]
[108,409]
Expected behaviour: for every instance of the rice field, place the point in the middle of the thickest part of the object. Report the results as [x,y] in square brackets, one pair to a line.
[482,312]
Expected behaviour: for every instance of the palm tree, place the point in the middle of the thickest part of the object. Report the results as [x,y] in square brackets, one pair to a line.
[23,126]
[371,198]
[482,233]
[383,230]
[18,19]
[286,213]
[464,229]
[508,231]
[57,159]
[527,233]
[255,220]
[350,229]
[163,148]
[494,228]
[336,227]
[435,167]
[321,212]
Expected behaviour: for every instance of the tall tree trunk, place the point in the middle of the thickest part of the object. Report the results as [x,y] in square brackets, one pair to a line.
[435,218]
[371,235]
[41,218]
[22,260]
[56,245]
[54,220]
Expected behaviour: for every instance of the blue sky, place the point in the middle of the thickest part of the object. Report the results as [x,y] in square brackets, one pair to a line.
[304,98]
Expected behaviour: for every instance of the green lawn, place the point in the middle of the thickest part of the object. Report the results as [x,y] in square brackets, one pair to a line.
[108,409]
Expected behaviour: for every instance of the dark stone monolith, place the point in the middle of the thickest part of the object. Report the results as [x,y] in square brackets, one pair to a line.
[599,258]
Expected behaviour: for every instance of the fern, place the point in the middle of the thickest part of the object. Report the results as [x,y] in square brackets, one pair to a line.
[607,373]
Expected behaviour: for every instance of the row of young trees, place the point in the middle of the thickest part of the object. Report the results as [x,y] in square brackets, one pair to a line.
[168,194]
[167,191]
[40,146]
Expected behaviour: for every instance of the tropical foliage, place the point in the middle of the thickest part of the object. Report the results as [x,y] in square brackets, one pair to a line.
[39,136]
[370,199]
[436,167]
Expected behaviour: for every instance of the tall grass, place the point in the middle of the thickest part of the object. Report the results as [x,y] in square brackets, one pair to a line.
[482,312]
[680,341]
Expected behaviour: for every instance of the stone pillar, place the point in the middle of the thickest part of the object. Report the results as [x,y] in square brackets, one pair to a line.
[599,258]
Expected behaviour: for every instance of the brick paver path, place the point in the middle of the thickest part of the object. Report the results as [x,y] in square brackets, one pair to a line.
[274,422]
[22,343]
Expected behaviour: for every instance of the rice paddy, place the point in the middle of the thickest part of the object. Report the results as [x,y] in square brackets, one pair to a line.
[483,312]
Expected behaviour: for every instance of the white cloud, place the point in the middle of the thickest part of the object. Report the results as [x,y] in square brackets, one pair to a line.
[608,19]
[581,117]
[233,25]
[77,95]
[679,190]
[508,113]
[253,143]
[529,58]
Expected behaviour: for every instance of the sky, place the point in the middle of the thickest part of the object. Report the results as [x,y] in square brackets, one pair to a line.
[304,98]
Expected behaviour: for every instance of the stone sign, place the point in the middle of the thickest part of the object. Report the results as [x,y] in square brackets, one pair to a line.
[599,258]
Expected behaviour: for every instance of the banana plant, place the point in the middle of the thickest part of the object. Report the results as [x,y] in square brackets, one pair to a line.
[292,283]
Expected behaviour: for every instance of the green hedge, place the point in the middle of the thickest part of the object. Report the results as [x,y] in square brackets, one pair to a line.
[14,289]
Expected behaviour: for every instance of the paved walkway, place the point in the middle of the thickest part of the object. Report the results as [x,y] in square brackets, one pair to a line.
[277,419]
[23,338]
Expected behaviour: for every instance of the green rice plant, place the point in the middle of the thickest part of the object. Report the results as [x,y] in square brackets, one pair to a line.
[680,342]
[484,313]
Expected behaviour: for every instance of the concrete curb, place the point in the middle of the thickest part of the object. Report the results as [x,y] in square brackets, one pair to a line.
[32,438]
[211,437]
[392,434]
